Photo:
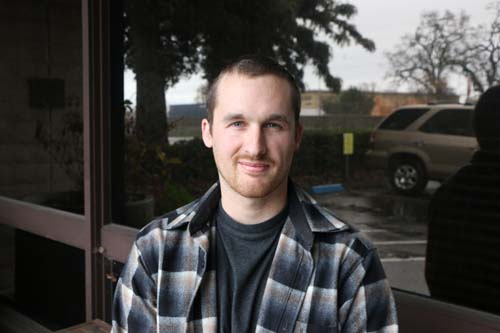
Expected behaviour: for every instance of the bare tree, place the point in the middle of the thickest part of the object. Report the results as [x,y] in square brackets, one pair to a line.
[478,55]
[425,59]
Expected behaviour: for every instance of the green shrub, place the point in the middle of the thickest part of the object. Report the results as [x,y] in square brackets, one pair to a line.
[318,161]
[197,170]
[171,197]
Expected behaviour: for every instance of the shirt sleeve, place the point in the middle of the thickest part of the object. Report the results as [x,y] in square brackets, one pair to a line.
[134,305]
[367,303]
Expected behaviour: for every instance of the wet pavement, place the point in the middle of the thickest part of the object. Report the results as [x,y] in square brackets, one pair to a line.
[397,225]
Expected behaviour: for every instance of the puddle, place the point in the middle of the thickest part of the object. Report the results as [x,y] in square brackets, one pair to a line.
[404,209]
[375,207]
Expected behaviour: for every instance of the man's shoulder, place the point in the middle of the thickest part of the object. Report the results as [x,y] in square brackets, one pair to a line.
[319,218]
[330,229]
[178,219]
[348,243]
[165,221]
[158,235]
[342,247]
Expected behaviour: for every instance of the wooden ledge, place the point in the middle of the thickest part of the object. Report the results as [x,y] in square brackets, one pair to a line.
[94,326]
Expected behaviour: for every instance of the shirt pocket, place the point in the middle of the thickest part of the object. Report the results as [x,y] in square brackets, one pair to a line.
[301,327]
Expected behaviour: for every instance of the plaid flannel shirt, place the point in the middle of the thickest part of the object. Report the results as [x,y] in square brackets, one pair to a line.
[325,276]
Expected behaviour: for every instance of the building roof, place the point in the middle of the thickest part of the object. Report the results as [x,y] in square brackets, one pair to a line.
[177,111]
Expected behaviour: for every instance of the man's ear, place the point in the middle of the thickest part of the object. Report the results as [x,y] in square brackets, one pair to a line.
[299,131]
[206,133]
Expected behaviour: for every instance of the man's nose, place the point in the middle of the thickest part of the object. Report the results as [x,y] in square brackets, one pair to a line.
[255,142]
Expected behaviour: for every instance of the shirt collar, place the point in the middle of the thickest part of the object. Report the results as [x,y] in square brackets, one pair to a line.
[306,215]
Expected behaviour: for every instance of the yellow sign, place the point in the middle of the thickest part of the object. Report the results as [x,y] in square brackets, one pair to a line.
[348,143]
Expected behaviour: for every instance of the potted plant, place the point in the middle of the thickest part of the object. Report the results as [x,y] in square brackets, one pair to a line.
[66,149]
[147,170]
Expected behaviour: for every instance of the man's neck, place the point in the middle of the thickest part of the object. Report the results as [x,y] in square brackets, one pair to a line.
[253,210]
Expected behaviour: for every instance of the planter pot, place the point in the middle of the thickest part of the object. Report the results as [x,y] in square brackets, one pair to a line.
[139,210]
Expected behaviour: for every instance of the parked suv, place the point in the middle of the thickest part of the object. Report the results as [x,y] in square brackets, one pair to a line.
[420,142]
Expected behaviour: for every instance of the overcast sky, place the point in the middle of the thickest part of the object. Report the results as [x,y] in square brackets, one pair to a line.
[383,21]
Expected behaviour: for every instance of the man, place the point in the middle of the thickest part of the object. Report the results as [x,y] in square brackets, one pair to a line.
[462,265]
[255,253]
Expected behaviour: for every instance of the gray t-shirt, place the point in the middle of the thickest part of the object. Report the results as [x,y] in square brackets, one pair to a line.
[244,256]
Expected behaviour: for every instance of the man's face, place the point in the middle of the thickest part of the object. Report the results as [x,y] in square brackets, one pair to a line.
[253,134]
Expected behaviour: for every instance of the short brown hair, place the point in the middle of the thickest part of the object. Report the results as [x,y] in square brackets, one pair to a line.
[253,66]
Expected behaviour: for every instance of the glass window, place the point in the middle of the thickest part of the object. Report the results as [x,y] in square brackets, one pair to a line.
[451,122]
[41,155]
[400,119]
[153,174]
[41,147]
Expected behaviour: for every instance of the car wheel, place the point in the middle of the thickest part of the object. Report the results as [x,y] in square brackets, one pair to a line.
[407,176]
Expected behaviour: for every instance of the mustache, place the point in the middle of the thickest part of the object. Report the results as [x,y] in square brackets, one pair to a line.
[254,158]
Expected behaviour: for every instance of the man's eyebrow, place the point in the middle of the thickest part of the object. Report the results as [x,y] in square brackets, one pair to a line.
[278,117]
[232,116]
[272,117]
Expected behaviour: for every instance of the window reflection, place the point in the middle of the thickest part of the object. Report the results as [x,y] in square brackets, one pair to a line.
[41,104]
[41,155]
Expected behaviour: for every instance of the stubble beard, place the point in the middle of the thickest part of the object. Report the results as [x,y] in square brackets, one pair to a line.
[254,187]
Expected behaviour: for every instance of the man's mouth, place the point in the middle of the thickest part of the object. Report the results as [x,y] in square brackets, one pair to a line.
[254,167]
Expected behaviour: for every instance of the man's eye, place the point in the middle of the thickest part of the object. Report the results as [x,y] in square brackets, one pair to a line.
[237,124]
[273,125]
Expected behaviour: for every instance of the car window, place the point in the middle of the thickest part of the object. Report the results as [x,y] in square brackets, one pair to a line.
[450,122]
[400,119]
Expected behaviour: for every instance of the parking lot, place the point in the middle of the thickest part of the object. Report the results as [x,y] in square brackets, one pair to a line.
[396,224]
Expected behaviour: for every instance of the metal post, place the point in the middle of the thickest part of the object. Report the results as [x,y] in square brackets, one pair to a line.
[96,164]
[346,168]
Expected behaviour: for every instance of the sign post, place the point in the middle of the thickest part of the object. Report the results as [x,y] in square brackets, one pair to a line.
[348,150]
